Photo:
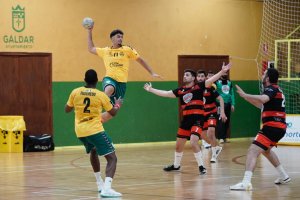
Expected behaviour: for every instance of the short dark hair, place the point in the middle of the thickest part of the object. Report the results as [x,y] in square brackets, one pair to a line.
[91,77]
[115,32]
[201,72]
[210,72]
[273,75]
[191,71]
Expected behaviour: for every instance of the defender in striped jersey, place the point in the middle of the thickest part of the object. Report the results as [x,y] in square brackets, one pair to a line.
[210,114]
[191,100]
[272,104]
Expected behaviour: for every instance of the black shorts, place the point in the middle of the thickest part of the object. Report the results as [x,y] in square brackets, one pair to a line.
[268,137]
[190,124]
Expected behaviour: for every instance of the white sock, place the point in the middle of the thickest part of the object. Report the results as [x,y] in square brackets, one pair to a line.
[247,177]
[214,150]
[282,172]
[108,182]
[98,177]
[177,159]
[198,157]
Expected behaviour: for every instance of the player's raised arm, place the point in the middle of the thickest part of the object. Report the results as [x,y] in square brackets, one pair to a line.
[142,62]
[163,93]
[91,46]
[215,77]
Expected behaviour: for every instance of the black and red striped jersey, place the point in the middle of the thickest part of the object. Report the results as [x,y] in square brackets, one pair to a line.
[191,99]
[210,95]
[273,111]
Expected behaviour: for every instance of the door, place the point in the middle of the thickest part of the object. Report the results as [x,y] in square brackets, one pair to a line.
[26,89]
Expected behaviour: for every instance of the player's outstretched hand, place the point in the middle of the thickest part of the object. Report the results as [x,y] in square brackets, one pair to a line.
[240,91]
[225,68]
[148,86]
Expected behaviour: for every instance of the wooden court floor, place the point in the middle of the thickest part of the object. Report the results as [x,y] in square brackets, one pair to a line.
[66,174]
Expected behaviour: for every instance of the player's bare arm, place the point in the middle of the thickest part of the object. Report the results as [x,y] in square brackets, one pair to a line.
[222,112]
[256,100]
[142,62]
[116,107]
[68,108]
[163,93]
[91,46]
[215,77]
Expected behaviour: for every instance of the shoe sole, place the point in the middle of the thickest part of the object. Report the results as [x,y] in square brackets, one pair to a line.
[250,189]
[284,181]
[104,196]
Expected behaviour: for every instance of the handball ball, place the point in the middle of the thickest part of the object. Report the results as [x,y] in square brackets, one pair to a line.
[87,22]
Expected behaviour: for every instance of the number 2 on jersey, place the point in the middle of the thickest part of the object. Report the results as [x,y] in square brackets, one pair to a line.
[87,102]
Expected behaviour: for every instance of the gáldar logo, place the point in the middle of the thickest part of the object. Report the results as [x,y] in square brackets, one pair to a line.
[18,18]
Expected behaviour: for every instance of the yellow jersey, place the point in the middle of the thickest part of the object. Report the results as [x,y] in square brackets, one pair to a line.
[116,61]
[88,104]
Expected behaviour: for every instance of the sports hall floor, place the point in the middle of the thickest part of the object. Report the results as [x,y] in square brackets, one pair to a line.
[66,174]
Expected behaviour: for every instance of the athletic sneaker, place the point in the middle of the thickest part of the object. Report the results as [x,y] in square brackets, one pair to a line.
[280,181]
[205,144]
[218,151]
[100,186]
[241,186]
[202,170]
[213,159]
[171,168]
[110,193]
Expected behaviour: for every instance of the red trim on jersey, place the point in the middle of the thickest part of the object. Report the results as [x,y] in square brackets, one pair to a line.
[210,111]
[189,89]
[275,124]
[193,102]
[193,111]
[264,140]
[183,132]
[279,95]
[211,105]
[273,114]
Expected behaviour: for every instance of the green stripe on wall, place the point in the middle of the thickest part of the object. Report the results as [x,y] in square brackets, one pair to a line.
[145,117]
[245,120]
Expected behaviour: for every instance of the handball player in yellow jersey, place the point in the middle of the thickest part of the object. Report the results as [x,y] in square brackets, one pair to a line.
[88,103]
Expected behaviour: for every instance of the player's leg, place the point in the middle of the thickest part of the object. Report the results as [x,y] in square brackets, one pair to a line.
[94,160]
[205,144]
[104,147]
[195,136]
[263,142]
[113,89]
[227,123]
[180,142]
[274,135]
[216,149]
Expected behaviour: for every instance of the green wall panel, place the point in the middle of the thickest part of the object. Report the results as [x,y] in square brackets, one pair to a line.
[145,117]
[245,120]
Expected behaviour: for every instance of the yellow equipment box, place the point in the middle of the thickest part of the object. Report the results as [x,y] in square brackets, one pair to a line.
[11,133]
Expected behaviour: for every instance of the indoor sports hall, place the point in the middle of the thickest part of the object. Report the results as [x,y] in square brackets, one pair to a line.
[46,50]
